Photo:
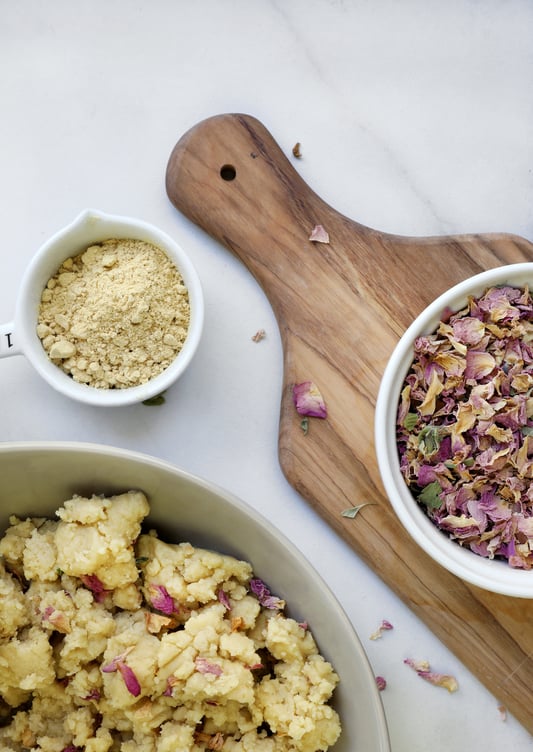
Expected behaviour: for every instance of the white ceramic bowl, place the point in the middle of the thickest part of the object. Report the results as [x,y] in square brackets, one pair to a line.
[493,575]
[19,337]
[38,477]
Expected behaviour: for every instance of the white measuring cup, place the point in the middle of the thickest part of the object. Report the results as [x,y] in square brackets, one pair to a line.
[19,337]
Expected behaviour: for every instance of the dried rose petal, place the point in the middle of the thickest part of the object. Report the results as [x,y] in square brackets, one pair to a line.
[224,599]
[237,622]
[384,626]
[213,742]
[260,590]
[255,666]
[160,599]
[204,666]
[381,683]
[259,335]
[308,400]
[503,712]
[127,673]
[94,694]
[58,619]
[130,680]
[171,683]
[439,680]
[156,622]
[95,585]
[216,743]
[319,235]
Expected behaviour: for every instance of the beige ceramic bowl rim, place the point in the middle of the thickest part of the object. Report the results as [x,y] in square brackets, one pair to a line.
[93,226]
[495,576]
[334,617]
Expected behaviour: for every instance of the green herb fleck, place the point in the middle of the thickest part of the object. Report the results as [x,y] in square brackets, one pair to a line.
[352,512]
[410,421]
[159,399]
[429,440]
[140,560]
[304,424]
[59,572]
[430,496]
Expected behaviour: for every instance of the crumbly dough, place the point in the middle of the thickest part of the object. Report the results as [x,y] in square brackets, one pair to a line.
[115,315]
[111,638]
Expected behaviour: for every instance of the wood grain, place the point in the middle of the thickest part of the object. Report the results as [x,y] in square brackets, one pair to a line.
[341,308]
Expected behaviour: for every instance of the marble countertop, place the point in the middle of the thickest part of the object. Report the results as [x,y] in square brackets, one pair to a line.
[414,117]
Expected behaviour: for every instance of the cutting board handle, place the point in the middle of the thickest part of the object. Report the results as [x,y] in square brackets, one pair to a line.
[229,176]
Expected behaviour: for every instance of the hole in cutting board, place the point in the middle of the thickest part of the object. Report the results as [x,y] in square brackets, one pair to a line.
[228,172]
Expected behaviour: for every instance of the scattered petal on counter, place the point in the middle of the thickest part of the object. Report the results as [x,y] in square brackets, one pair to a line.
[308,400]
[383,627]
[161,600]
[439,680]
[319,235]
[352,512]
[503,712]
[259,335]
[265,598]
[381,683]
[296,150]
[203,666]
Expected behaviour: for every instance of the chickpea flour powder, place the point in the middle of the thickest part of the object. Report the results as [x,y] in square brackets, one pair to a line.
[116,315]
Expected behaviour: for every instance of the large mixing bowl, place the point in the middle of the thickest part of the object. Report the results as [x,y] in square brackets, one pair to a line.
[37,477]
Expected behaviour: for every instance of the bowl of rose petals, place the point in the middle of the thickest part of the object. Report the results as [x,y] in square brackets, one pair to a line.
[454,430]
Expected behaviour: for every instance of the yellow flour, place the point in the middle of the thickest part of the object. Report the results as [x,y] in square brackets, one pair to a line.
[116,315]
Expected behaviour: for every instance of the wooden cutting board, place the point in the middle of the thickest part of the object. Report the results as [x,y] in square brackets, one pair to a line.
[341,308]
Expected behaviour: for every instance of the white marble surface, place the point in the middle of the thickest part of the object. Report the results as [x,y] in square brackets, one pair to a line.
[415,117]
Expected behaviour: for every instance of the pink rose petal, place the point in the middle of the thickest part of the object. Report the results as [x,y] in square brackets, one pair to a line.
[433,677]
[203,666]
[130,680]
[308,400]
[161,600]
[127,673]
[319,235]
[265,598]
[384,626]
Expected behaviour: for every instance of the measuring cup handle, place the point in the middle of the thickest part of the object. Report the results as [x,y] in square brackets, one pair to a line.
[8,341]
